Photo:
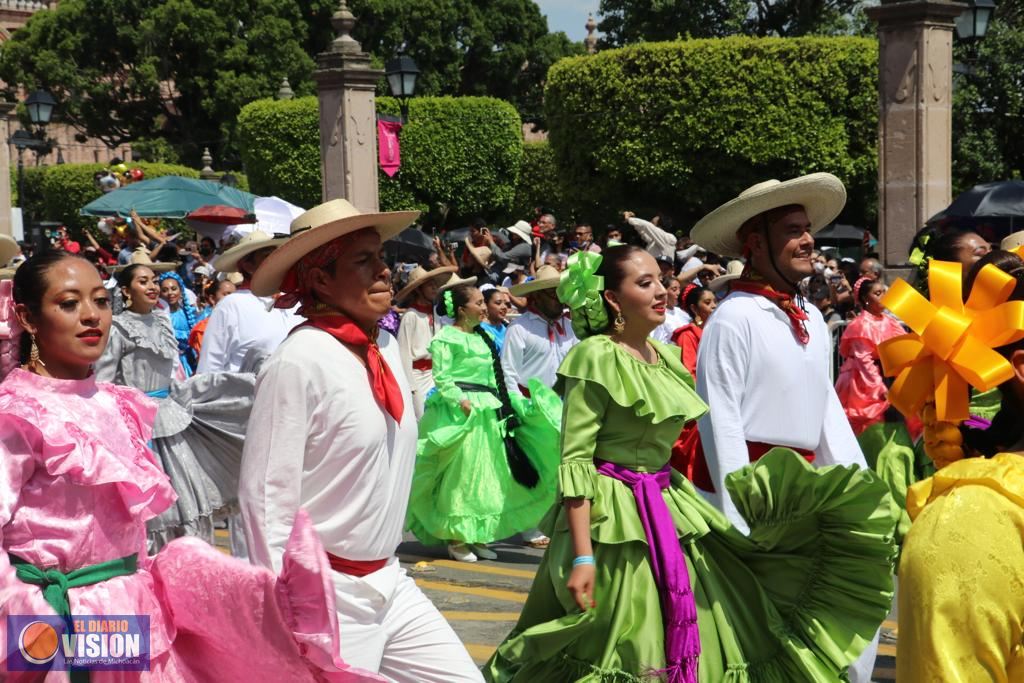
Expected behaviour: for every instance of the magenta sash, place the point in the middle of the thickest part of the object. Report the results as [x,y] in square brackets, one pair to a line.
[678,607]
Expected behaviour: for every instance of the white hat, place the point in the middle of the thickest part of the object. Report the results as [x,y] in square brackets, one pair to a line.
[250,242]
[140,257]
[821,194]
[317,227]
[1013,241]
[8,249]
[732,272]
[523,230]
[455,281]
[547,277]
[419,277]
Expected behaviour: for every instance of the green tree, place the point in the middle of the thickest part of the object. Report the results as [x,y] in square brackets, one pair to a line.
[176,69]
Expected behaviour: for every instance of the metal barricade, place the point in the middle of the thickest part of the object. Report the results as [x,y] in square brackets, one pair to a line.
[835,330]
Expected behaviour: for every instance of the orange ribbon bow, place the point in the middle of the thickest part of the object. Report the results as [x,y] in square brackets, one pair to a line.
[952,343]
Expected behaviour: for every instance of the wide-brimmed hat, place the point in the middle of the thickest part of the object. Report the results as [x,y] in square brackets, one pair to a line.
[455,281]
[1013,241]
[419,277]
[250,242]
[546,278]
[821,194]
[483,255]
[140,257]
[317,227]
[523,230]
[733,271]
[8,249]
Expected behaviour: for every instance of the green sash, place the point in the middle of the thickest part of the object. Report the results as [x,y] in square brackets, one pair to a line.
[55,585]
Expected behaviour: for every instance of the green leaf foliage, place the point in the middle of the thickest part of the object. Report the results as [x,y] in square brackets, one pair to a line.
[540,185]
[684,126]
[460,156]
[56,193]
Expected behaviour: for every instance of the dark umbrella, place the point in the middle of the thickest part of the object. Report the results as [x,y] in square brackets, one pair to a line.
[991,208]
[411,242]
[838,233]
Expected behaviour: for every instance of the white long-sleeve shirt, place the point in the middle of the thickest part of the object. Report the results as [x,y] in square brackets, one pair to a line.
[534,348]
[660,243]
[240,322]
[674,319]
[415,333]
[762,385]
[318,439]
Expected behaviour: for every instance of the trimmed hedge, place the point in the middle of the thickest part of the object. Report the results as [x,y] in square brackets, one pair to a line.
[540,184]
[684,126]
[56,193]
[461,153]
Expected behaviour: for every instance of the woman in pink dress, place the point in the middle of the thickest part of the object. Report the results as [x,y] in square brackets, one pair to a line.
[860,386]
[77,485]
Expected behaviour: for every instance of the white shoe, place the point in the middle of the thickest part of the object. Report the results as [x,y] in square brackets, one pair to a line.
[484,553]
[461,552]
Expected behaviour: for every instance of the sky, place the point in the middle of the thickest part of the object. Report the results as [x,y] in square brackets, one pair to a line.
[568,15]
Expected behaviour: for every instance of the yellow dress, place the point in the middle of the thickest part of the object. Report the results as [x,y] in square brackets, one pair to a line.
[961,576]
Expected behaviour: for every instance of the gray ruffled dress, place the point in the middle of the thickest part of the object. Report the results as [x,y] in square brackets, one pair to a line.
[200,423]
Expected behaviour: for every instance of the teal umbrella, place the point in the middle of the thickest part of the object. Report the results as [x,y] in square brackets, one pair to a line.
[167,197]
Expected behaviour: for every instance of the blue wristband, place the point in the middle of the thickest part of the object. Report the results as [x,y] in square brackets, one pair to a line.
[583,559]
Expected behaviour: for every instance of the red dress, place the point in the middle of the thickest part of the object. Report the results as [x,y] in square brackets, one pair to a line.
[687,454]
[860,387]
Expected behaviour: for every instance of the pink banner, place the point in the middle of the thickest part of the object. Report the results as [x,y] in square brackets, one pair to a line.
[387,146]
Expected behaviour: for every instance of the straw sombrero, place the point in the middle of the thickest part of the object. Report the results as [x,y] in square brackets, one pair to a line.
[7,273]
[317,227]
[547,277]
[1013,241]
[8,249]
[455,281]
[140,257]
[733,271]
[419,277]
[483,255]
[821,194]
[250,242]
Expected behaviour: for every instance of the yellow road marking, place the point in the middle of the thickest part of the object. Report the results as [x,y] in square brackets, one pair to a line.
[472,567]
[511,596]
[455,615]
[479,653]
[886,649]
[889,624]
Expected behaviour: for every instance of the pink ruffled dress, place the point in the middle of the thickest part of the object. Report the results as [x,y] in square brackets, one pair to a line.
[860,386]
[77,485]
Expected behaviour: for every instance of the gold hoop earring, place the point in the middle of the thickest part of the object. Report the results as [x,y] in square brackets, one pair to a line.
[33,357]
[620,323]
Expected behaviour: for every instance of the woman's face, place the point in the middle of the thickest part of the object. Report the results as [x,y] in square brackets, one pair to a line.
[73,322]
[970,249]
[705,305]
[673,291]
[474,311]
[428,291]
[222,291]
[171,292]
[359,283]
[641,297]
[497,308]
[874,298]
[143,290]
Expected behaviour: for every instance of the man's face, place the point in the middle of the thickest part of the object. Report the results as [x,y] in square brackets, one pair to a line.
[789,245]
[614,235]
[546,223]
[584,235]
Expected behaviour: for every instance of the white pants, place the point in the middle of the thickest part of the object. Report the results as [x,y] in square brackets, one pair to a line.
[389,626]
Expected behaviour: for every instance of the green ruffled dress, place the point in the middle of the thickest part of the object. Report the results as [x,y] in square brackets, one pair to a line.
[797,600]
[462,489]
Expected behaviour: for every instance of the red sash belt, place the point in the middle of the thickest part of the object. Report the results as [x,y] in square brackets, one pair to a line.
[355,567]
[423,364]
[688,456]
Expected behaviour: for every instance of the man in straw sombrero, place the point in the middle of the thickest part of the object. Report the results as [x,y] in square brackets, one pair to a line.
[333,431]
[243,322]
[538,340]
[417,329]
[764,355]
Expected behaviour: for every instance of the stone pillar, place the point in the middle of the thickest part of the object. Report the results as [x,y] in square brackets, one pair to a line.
[207,172]
[5,168]
[915,133]
[346,83]
[590,42]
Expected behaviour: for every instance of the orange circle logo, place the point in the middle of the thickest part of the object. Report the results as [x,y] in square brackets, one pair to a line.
[38,642]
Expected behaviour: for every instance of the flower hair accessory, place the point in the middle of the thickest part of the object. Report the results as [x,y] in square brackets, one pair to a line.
[580,290]
[449,304]
[860,283]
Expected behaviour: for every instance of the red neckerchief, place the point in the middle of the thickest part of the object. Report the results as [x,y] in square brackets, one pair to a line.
[796,315]
[382,380]
[552,324]
[428,310]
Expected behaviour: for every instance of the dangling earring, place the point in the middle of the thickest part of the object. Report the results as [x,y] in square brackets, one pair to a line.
[620,323]
[33,356]
[128,302]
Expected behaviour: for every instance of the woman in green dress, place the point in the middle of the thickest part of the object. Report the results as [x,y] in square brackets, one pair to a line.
[486,462]
[643,577]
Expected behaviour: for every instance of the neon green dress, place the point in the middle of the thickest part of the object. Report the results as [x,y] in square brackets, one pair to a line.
[463,489]
[797,600]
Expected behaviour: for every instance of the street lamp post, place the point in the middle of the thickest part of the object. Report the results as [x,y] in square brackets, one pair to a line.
[972,24]
[402,72]
[40,105]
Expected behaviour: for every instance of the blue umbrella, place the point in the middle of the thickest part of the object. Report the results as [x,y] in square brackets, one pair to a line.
[167,197]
